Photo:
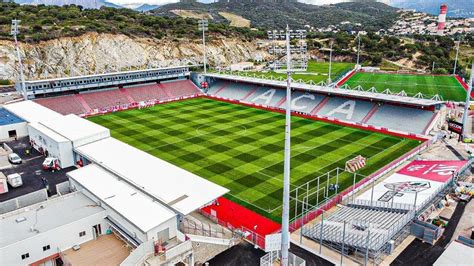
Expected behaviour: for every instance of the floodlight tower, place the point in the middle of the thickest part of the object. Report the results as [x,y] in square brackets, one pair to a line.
[358,49]
[203,25]
[466,106]
[457,55]
[300,60]
[15,31]
[330,63]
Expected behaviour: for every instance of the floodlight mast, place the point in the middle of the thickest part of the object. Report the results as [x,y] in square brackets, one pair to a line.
[15,31]
[203,26]
[285,234]
[358,49]
[466,106]
[457,55]
[330,63]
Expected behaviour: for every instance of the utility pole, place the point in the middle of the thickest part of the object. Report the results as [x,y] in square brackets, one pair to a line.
[358,50]
[432,68]
[285,234]
[466,106]
[15,31]
[330,63]
[457,54]
[203,25]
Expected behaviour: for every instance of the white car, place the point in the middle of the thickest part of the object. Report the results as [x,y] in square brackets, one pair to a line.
[14,158]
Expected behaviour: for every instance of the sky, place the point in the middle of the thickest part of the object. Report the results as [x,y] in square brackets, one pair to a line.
[162,2]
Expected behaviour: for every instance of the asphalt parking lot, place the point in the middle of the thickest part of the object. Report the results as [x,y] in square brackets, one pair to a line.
[31,172]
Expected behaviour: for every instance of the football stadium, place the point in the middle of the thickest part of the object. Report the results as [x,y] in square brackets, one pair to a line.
[207,149]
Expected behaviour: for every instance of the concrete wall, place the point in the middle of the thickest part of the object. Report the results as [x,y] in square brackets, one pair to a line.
[21,130]
[61,238]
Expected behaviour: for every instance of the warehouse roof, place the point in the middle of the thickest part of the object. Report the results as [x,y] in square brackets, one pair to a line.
[177,188]
[78,130]
[139,209]
[32,112]
[8,118]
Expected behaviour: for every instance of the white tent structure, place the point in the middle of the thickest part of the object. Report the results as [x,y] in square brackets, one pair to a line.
[142,217]
[177,188]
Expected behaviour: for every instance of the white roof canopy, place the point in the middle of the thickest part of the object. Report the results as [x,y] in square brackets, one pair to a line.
[78,130]
[32,112]
[134,206]
[332,91]
[179,189]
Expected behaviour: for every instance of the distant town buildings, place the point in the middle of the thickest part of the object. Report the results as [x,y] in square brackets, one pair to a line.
[412,22]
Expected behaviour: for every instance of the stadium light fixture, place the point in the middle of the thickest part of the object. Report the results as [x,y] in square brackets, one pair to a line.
[457,54]
[466,105]
[203,25]
[358,49]
[330,62]
[15,31]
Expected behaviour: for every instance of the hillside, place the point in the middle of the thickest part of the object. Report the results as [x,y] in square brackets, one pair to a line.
[40,23]
[371,15]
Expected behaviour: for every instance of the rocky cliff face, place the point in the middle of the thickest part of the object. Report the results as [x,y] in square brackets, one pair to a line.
[99,53]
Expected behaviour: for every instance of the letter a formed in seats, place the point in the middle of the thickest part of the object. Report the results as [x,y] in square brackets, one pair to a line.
[296,107]
[347,108]
[266,96]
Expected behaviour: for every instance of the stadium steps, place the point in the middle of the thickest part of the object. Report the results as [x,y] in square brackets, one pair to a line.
[431,123]
[83,103]
[370,114]
[281,102]
[249,94]
[163,88]
[319,106]
[129,97]
[221,88]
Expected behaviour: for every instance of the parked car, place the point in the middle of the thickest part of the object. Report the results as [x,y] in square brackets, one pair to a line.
[14,158]
[15,180]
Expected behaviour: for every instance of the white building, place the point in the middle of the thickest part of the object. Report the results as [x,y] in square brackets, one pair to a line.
[42,230]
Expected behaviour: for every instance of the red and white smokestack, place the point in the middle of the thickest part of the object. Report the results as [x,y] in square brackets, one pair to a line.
[442,18]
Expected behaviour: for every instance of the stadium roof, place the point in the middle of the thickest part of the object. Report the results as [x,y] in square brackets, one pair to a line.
[177,188]
[106,74]
[32,112]
[330,90]
[140,210]
[76,129]
[8,118]
[54,213]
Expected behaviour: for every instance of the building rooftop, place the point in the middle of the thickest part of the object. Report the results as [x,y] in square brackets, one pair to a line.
[76,129]
[32,112]
[173,186]
[139,209]
[51,214]
[8,118]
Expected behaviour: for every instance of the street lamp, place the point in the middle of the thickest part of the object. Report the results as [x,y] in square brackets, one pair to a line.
[203,25]
[15,31]
[330,63]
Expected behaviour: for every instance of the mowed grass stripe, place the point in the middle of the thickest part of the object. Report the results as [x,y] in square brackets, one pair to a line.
[445,86]
[241,148]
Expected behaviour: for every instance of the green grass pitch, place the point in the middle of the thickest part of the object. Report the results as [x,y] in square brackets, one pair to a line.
[241,148]
[445,86]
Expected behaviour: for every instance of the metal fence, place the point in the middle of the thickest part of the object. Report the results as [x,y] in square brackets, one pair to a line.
[273,257]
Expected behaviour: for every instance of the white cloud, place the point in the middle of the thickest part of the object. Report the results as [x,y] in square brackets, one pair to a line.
[322,2]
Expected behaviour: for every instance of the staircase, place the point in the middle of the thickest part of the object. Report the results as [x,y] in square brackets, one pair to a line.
[129,97]
[249,93]
[165,90]
[221,88]
[281,102]
[370,114]
[83,103]
[319,106]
